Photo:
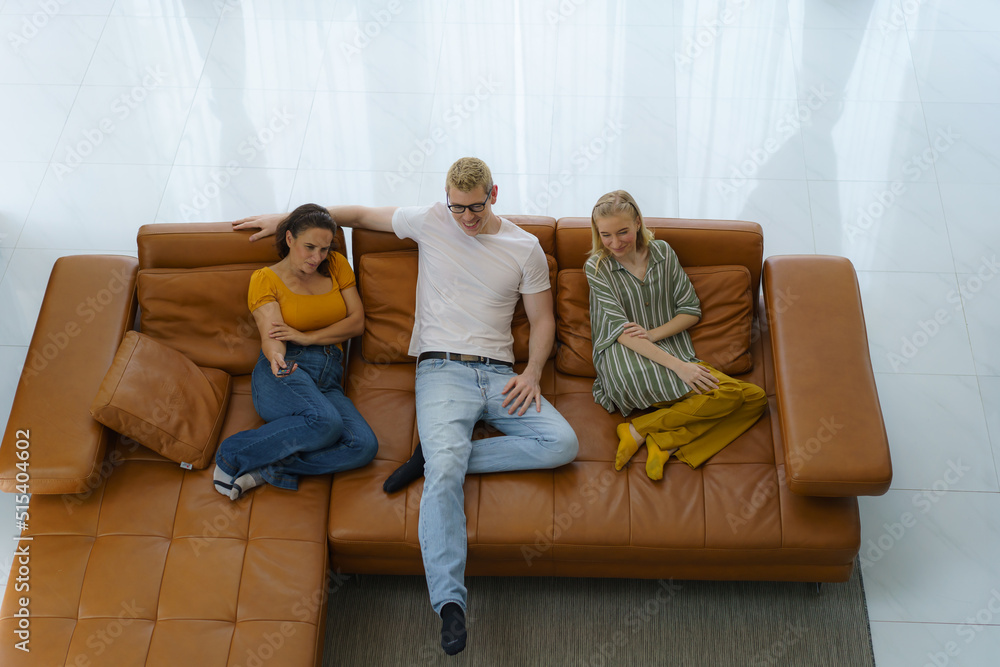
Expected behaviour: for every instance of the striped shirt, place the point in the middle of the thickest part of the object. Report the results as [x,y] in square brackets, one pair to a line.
[626,379]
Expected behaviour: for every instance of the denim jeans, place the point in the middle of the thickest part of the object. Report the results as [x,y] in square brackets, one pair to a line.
[451,397]
[312,427]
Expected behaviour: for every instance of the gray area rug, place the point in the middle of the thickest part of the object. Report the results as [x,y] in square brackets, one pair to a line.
[513,621]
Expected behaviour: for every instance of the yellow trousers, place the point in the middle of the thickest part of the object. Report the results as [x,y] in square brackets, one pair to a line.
[699,426]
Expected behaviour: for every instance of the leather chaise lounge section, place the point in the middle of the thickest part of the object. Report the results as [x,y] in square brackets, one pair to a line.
[135,560]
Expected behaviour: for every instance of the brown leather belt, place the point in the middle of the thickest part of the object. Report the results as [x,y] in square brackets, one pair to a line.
[451,356]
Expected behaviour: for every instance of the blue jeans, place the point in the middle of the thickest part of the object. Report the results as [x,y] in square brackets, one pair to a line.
[451,397]
[312,427]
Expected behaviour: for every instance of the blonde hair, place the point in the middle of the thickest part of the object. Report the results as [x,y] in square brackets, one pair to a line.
[614,202]
[468,173]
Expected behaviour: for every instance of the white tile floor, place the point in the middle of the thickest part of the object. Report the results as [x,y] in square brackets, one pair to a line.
[863,128]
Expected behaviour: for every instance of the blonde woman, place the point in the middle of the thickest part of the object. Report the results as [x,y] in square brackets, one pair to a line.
[641,307]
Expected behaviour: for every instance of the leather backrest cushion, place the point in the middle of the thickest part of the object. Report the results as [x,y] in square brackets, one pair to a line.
[388,285]
[721,338]
[159,398]
[574,348]
[202,313]
[188,245]
[366,241]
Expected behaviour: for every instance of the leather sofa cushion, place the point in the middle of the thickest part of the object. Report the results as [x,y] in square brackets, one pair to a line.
[151,566]
[388,285]
[721,337]
[575,349]
[159,398]
[202,313]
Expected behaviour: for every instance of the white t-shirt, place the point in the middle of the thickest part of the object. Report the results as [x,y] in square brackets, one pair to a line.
[467,286]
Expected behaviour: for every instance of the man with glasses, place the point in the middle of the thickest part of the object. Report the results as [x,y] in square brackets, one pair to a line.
[473,267]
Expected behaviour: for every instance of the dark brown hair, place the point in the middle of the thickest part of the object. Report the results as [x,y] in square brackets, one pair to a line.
[307,216]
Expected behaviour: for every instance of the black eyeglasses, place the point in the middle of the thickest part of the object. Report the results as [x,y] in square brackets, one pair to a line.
[458,209]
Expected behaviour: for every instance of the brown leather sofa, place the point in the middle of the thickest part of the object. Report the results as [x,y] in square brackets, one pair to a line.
[129,558]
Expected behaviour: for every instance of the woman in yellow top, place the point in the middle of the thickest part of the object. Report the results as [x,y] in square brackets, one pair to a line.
[305,306]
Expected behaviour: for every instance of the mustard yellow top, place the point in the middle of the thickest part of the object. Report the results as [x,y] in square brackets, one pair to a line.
[305,312]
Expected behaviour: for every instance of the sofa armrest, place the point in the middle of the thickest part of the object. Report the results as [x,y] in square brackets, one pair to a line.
[88,306]
[831,424]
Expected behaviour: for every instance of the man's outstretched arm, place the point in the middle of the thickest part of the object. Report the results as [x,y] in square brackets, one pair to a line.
[375,218]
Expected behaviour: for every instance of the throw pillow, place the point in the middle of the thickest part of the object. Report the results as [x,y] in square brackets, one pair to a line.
[162,400]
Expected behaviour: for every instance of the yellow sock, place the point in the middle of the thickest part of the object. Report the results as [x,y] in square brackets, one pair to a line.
[656,458]
[627,446]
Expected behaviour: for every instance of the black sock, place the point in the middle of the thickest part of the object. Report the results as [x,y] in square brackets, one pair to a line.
[406,473]
[453,632]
